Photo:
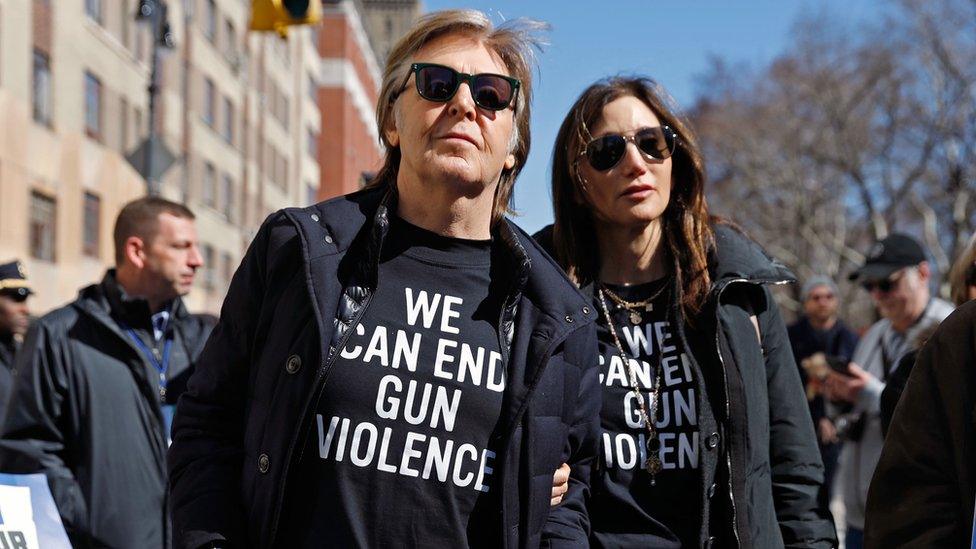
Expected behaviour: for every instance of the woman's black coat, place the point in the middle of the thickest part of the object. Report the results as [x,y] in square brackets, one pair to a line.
[759,428]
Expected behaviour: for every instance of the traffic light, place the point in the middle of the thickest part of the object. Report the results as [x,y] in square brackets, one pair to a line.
[278,15]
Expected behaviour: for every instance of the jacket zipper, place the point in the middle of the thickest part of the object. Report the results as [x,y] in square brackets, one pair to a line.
[725,375]
[319,383]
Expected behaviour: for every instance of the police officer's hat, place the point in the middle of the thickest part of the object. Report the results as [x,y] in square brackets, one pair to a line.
[13,280]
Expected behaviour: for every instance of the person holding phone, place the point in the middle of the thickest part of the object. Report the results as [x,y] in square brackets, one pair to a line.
[819,336]
[896,273]
[706,438]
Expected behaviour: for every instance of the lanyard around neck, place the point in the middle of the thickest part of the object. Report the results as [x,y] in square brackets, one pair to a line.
[159,361]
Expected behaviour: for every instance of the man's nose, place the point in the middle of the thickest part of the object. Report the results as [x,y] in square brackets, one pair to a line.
[463,102]
[196,258]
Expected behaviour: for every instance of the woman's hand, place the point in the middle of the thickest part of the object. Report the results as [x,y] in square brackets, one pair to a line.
[560,484]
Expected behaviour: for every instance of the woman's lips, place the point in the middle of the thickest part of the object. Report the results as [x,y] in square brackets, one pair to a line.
[638,192]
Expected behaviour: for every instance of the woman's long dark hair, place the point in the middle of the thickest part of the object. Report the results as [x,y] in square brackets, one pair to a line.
[685,222]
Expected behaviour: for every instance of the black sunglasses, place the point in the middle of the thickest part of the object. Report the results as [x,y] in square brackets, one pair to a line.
[438,83]
[605,152]
[884,286]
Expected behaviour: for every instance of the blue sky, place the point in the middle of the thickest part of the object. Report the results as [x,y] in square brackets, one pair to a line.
[671,41]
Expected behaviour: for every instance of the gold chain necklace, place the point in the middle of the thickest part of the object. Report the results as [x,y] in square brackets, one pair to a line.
[633,307]
[653,462]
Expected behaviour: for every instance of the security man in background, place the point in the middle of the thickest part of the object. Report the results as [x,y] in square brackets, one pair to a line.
[14,319]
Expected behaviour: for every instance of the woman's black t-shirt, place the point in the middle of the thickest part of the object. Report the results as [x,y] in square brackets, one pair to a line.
[400,453]
[627,511]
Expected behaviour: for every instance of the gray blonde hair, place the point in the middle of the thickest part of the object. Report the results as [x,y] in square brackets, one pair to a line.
[513,41]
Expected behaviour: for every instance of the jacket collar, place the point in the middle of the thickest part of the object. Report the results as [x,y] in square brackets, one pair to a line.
[736,257]
[108,302]
[337,225]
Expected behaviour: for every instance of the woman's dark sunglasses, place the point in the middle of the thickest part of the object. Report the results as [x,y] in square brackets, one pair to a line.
[438,83]
[605,152]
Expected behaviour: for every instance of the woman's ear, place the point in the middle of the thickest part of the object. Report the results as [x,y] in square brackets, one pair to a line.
[580,191]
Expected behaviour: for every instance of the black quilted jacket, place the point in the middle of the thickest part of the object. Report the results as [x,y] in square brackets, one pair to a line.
[760,465]
[304,283]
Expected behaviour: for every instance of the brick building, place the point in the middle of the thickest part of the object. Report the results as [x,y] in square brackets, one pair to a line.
[349,82]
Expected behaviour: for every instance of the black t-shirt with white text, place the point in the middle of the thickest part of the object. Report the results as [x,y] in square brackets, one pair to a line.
[627,511]
[398,454]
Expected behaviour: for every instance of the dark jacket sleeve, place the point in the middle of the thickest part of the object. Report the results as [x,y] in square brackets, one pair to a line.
[796,468]
[206,456]
[921,494]
[568,524]
[39,426]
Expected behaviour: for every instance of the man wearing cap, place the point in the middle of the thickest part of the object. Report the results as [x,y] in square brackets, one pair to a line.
[896,274]
[820,333]
[14,319]
[98,380]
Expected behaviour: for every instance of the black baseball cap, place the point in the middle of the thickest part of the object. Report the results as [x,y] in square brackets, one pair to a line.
[13,280]
[886,256]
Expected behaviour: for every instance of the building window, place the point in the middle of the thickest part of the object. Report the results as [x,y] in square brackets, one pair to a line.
[313,89]
[284,111]
[312,142]
[208,266]
[128,18]
[313,34]
[93,106]
[311,194]
[92,223]
[209,19]
[227,197]
[209,101]
[43,213]
[228,267]
[209,185]
[228,130]
[230,36]
[123,125]
[141,44]
[42,88]
[93,9]
[137,123]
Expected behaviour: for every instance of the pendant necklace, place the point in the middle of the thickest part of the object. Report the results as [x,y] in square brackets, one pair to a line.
[633,307]
[653,463]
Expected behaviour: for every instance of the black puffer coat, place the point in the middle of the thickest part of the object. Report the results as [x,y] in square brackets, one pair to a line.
[302,286]
[758,425]
[85,410]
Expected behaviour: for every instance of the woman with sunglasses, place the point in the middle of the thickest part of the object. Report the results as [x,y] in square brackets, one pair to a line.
[706,438]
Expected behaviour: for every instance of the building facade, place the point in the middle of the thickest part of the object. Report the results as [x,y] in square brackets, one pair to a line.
[240,111]
[349,82]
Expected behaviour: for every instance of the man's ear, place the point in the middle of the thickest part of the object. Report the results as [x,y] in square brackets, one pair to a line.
[924,272]
[391,133]
[392,137]
[135,251]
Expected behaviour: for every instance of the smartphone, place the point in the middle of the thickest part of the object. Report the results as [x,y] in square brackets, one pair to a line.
[839,365]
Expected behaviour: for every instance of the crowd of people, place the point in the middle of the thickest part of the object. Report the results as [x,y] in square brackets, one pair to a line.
[404,366]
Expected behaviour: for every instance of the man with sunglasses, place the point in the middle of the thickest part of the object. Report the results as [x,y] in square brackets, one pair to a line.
[896,274]
[401,366]
[14,320]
